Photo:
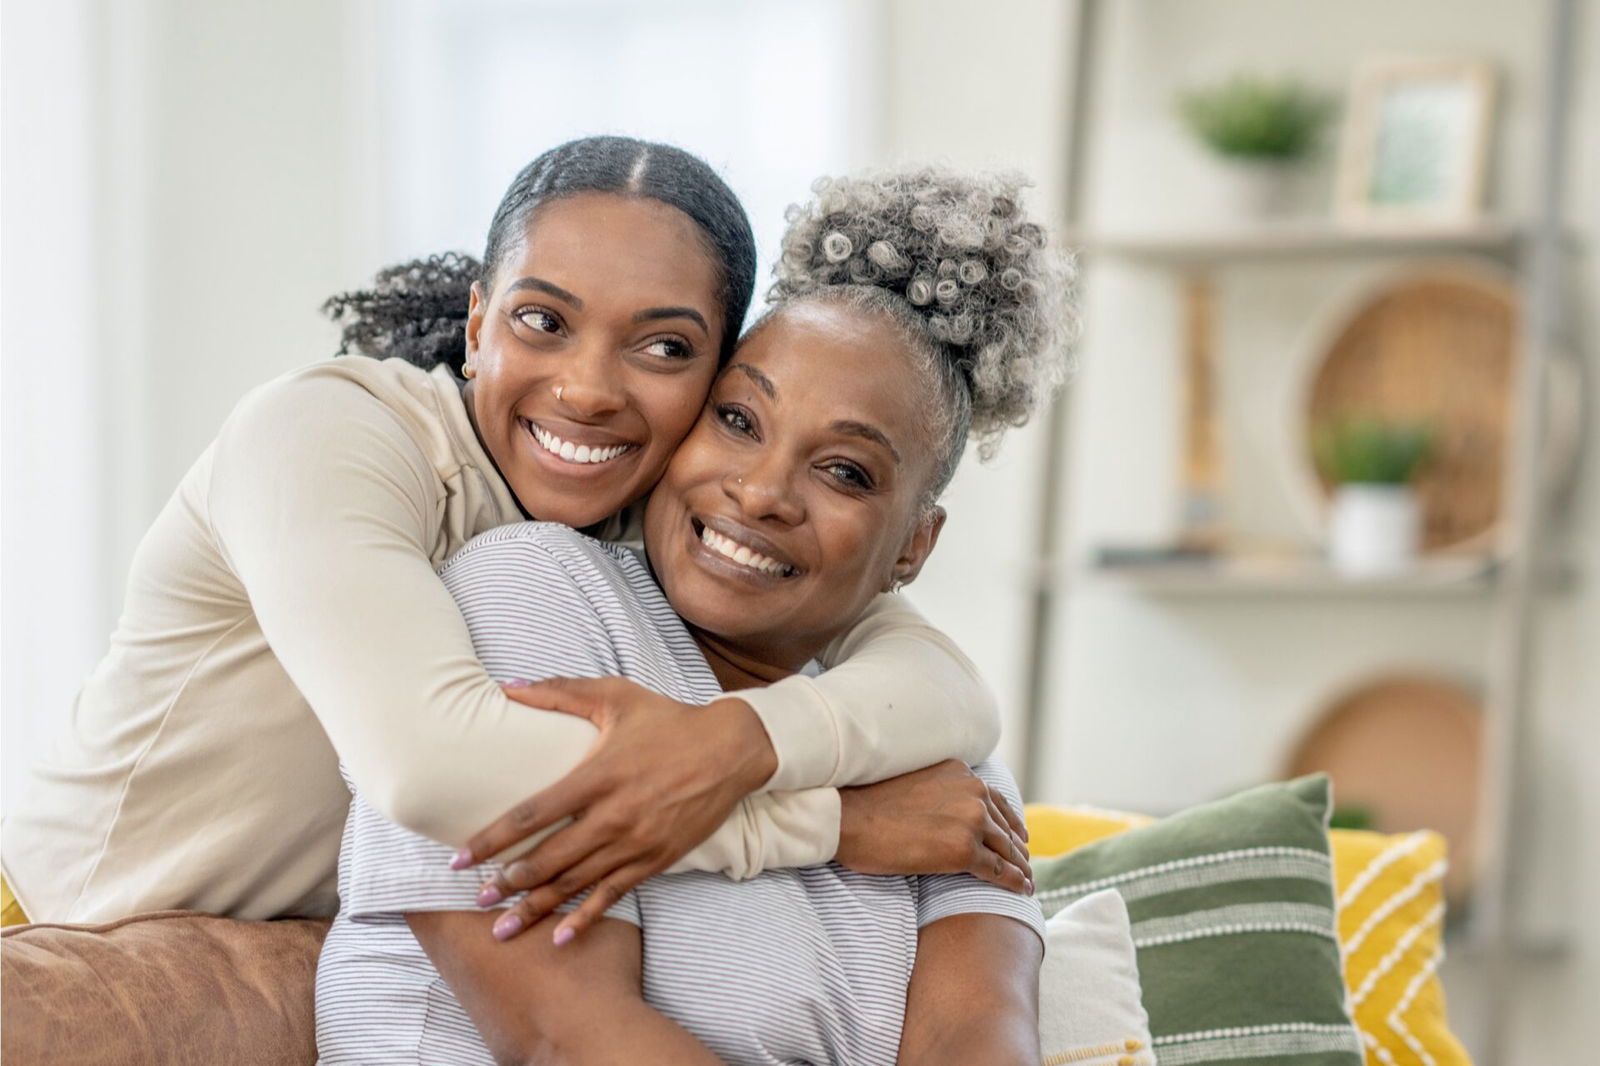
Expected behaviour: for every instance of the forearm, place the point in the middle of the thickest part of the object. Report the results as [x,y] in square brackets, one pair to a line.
[1005,1045]
[538,1005]
[625,1029]
[447,784]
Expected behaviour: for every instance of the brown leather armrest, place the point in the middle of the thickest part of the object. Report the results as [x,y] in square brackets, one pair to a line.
[172,987]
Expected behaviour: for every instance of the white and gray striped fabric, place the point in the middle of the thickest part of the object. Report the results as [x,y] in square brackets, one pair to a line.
[793,966]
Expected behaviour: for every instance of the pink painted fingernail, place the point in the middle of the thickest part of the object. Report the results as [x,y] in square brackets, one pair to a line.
[461,860]
[1029,882]
[507,926]
[516,682]
[563,935]
[488,896]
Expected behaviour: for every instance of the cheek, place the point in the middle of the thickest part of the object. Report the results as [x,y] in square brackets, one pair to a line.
[695,467]
[674,406]
[854,546]
[868,540]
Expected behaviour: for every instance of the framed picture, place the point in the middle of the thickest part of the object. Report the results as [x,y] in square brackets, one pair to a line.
[1415,144]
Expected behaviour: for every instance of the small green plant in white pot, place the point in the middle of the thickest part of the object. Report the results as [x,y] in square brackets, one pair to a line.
[1259,128]
[1375,522]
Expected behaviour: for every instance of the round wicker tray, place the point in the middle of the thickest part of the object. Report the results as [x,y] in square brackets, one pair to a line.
[1435,344]
[1405,751]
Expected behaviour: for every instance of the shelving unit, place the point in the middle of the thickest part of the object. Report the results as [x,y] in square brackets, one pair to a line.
[1203,249]
[1513,581]
[1303,577]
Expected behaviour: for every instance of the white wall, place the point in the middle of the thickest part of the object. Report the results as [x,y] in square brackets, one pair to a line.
[51,557]
[988,92]
[175,210]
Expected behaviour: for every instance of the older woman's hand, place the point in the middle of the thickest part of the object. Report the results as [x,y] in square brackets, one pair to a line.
[942,819]
[661,778]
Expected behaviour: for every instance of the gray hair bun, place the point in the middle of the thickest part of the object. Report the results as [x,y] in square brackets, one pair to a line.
[959,250]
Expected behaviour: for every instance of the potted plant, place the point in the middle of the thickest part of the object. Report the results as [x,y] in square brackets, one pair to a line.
[1258,127]
[1375,523]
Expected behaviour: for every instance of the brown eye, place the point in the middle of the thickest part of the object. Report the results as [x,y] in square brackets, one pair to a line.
[538,319]
[849,475]
[671,348]
[736,418]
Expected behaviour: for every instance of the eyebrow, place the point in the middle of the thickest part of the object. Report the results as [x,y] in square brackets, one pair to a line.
[872,433]
[541,285]
[846,426]
[653,313]
[763,382]
[650,314]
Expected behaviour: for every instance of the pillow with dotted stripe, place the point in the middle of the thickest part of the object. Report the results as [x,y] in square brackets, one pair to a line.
[1235,923]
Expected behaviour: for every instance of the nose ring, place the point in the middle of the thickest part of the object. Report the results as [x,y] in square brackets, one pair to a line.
[558,391]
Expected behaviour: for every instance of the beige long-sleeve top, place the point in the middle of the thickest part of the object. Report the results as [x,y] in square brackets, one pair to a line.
[284,606]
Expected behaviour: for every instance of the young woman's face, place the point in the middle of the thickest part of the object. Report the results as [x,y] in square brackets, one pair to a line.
[592,356]
[796,498]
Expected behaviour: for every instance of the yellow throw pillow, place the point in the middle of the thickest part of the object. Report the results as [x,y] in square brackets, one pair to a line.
[10,910]
[1391,923]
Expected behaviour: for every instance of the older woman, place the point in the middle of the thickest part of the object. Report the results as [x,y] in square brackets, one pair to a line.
[911,310]
[283,614]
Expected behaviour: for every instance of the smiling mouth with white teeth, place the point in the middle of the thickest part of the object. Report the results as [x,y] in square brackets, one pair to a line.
[574,453]
[741,554]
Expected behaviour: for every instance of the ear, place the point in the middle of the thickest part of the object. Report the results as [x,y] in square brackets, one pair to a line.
[477,307]
[918,547]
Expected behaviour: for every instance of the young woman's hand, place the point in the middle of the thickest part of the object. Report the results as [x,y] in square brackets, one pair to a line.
[941,820]
[661,778]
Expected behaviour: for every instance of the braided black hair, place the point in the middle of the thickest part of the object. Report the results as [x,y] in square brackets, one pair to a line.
[417,311]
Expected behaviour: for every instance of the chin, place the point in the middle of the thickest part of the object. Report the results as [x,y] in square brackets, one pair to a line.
[562,509]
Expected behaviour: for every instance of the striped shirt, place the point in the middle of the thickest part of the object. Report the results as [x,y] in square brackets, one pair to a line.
[805,965]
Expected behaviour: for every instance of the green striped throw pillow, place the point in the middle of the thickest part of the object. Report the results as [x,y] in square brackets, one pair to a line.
[1232,905]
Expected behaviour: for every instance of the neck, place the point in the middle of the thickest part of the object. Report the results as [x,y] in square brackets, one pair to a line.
[740,668]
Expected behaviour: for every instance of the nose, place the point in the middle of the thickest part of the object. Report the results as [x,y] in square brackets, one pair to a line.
[766,488]
[590,383]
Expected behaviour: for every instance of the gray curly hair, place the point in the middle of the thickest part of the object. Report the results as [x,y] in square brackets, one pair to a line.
[969,281]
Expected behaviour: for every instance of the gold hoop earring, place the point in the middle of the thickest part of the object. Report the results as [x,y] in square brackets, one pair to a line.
[468,370]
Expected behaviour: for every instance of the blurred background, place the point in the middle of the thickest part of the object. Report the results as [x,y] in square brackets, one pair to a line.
[1319,497]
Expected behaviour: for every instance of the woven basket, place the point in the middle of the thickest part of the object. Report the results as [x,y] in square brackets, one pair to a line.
[1436,344]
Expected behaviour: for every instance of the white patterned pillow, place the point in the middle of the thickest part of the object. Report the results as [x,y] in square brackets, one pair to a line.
[1090,1012]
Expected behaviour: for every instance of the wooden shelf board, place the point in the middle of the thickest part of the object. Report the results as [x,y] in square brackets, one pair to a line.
[1295,577]
[1311,237]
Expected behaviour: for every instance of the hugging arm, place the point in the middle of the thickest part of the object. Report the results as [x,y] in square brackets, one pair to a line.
[900,699]
[897,695]
[531,617]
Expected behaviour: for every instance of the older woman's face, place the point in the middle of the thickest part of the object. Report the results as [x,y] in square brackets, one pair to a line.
[796,497]
[593,354]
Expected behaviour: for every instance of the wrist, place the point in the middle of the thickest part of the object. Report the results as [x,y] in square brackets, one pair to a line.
[753,759]
[849,826]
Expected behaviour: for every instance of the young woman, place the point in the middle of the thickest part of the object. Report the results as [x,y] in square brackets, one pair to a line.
[912,309]
[283,613]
